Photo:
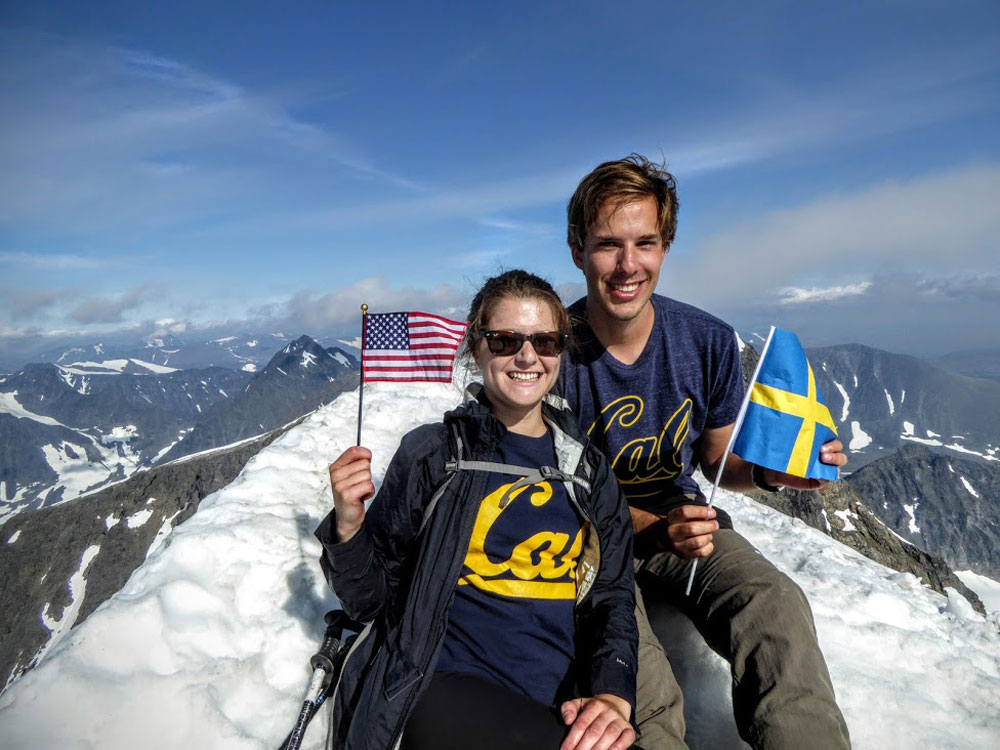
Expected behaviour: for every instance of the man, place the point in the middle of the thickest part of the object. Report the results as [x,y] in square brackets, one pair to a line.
[658,386]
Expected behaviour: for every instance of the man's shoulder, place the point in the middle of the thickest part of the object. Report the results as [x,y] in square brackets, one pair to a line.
[675,313]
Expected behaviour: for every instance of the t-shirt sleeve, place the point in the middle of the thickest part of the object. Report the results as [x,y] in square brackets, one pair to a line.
[727,382]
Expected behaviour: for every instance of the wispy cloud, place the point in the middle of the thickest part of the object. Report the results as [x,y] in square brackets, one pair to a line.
[109,309]
[24,304]
[797,296]
[310,311]
[902,95]
[59,261]
[105,137]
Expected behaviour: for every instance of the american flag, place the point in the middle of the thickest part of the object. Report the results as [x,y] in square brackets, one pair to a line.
[409,346]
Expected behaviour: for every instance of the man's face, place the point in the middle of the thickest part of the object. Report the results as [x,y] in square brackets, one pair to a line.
[621,260]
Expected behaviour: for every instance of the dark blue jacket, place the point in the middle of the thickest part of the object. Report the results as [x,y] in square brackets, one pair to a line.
[400,571]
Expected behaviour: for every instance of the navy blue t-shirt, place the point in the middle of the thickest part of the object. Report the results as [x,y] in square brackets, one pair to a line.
[647,416]
[512,618]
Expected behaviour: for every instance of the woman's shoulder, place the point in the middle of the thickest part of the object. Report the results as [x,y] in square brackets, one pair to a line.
[424,440]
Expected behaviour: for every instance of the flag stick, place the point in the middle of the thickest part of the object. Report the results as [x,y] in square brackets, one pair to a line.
[732,440]
[361,385]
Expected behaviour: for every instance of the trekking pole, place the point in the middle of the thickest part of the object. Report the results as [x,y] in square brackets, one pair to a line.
[324,663]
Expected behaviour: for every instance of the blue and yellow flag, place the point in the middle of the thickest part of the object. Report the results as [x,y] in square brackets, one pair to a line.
[786,420]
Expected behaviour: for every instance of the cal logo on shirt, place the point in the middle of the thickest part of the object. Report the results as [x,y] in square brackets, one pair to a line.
[528,549]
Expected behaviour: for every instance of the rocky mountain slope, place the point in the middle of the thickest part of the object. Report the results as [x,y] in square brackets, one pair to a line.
[58,564]
[944,504]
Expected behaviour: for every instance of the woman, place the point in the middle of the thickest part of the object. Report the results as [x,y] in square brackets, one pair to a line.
[493,600]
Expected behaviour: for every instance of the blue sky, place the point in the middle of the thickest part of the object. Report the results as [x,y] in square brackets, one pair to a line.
[174,166]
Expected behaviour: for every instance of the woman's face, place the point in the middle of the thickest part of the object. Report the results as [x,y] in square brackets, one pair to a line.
[516,383]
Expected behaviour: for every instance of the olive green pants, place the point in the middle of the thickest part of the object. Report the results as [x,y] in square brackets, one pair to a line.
[756,618]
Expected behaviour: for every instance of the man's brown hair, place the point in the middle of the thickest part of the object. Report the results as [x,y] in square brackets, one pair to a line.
[622,181]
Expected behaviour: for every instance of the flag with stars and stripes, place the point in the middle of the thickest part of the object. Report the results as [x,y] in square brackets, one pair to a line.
[786,420]
[410,346]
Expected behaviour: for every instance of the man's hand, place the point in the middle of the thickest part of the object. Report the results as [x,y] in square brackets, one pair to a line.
[351,481]
[687,531]
[598,723]
[831,453]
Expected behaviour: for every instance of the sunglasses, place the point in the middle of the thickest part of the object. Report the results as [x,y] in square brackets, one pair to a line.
[506,343]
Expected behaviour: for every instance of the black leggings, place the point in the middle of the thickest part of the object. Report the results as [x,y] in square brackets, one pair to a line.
[465,711]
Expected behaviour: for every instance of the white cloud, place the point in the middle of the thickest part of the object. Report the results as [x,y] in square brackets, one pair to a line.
[936,223]
[341,308]
[796,296]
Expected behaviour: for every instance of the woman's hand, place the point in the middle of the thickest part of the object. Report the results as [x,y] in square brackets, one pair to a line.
[598,723]
[351,480]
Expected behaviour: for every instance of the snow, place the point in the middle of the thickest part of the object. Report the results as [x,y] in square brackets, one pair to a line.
[968,486]
[902,397]
[847,402]
[14,537]
[139,518]
[342,359]
[859,438]
[249,367]
[845,516]
[308,358]
[121,434]
[911,511]
[826,519]
[989,455]
[77,587]
[208,643]
[10,405]
[82,387]
[111,521]
[892,406]
[114,367]
[907,428]
[986,588]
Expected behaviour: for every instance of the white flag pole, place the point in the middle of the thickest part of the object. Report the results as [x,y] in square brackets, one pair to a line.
[732,440]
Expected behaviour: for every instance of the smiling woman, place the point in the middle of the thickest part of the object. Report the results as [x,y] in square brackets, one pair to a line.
[503,602]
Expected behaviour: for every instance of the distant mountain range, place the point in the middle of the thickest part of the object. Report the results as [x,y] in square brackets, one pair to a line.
[247,351]
[67,429]
[882,401]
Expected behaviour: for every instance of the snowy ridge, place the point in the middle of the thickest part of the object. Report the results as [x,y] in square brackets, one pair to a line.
[208,643]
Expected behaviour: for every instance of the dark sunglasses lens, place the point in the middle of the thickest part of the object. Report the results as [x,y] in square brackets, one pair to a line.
[547,344]
[504,344]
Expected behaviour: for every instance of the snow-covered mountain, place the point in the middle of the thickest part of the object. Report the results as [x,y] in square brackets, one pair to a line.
[68,429]
[236,350]
[296,380]
[881,401]
[207,645]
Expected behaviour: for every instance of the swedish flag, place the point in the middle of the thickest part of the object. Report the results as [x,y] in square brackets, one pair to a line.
[786,420]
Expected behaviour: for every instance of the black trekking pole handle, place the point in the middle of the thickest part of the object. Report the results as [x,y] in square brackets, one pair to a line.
[323,663]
